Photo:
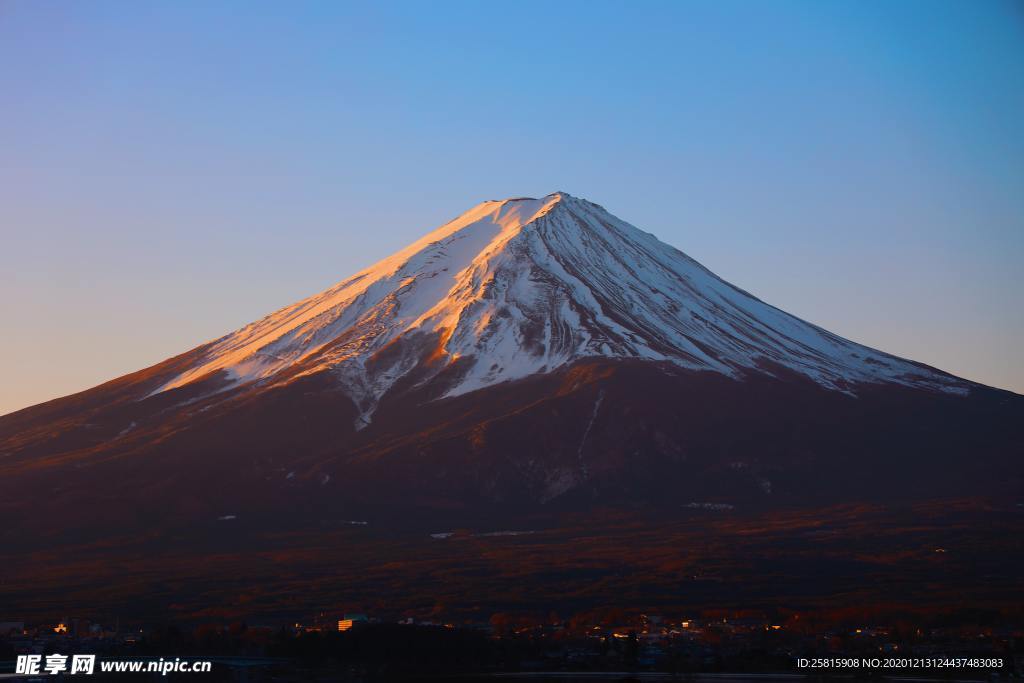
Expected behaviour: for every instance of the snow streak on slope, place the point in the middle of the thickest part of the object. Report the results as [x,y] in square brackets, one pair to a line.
[524,286]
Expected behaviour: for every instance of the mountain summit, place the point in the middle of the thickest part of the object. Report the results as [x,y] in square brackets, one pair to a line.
[524,286]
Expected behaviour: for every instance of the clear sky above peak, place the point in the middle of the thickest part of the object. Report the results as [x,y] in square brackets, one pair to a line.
[172,171]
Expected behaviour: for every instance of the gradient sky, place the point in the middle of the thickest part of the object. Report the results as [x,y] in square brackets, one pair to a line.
[170,171]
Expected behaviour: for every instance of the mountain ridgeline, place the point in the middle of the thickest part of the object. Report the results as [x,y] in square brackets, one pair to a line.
[531,354]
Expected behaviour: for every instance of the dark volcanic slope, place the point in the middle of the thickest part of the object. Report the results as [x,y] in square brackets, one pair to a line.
[870,558]
[628,433]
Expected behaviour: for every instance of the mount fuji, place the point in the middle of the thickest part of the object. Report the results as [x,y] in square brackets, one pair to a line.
[529,352]
[536,404]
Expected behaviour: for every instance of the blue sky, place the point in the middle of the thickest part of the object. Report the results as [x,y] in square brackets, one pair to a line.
[171,171]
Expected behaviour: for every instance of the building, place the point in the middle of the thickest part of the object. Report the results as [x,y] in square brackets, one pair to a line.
[351,620]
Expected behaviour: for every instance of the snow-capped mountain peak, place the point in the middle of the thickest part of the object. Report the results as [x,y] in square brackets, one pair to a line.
[523,286]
